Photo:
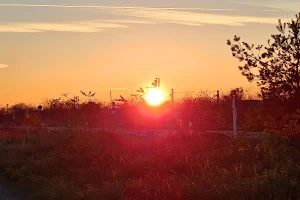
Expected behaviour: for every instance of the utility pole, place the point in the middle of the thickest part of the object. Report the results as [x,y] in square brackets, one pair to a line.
[40,115]
[172,97]
[218,97]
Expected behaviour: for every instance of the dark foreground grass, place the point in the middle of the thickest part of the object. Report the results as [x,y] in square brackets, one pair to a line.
[100,165]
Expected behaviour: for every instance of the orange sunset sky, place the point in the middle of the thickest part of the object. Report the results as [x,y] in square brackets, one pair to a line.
[63,46]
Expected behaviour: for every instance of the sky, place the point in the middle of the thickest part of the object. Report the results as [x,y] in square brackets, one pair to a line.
[52,47]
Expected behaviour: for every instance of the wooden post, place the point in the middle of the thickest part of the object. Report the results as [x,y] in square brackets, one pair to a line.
[110,98]
[172,97]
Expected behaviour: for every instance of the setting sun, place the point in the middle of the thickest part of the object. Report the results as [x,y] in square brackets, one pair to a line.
[154,97]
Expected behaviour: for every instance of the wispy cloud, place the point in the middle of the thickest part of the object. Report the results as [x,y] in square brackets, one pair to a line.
[56,6]
[129,21]
[271,10]
[193,18]
[3,66]
[86,27]
[112,7]
[277,5]
[138,15]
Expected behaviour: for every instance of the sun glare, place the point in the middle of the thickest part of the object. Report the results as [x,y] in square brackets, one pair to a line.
[154,97]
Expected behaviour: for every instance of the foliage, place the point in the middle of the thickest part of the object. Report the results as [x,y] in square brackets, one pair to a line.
[237,93]
[205,111]
[89,95]
[274,67]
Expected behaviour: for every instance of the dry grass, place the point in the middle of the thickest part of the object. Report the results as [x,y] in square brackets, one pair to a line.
[100,165]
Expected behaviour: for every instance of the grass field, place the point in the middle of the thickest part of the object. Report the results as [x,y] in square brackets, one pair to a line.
[102,165]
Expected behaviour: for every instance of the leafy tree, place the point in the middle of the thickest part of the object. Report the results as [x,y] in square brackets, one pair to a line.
[19,111]
[238,94]
[74,102]
[275,67]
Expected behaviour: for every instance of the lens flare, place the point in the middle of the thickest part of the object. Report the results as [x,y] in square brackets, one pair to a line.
[154,97]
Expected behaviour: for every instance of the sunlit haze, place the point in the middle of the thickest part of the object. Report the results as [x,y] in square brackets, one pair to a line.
[49,48]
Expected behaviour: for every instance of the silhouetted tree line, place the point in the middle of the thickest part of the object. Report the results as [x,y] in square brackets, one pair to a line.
[205,112]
